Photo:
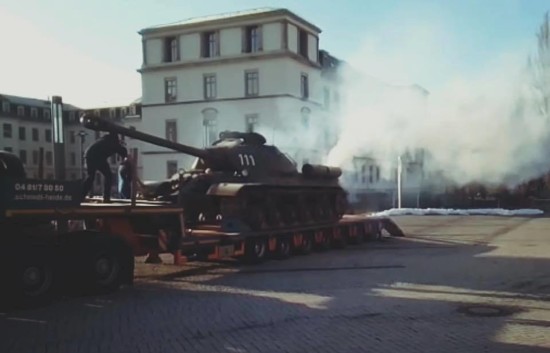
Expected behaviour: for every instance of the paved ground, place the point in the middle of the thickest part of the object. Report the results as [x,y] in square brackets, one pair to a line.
[403,295]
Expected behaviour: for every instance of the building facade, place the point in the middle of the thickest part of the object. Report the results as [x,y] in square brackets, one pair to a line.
[26,130]
[257,70]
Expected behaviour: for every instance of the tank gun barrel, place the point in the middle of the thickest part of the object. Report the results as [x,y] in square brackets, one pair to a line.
[99,124]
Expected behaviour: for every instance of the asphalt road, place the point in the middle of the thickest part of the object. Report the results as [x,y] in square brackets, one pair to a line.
[454,284]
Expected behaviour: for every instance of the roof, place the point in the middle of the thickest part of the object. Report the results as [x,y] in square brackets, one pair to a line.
[211,19]
[41,103]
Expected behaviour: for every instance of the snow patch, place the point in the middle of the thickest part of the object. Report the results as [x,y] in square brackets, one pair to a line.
[460,212]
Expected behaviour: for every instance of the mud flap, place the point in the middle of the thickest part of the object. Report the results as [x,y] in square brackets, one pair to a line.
[391,227]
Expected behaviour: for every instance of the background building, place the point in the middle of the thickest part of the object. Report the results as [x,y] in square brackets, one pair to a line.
[26,130]
[258,70]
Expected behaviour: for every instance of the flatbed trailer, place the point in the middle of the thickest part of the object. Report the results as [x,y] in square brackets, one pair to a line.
[51,243]
[91,247]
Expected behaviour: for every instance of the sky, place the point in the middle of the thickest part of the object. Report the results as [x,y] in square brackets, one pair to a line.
[88,51]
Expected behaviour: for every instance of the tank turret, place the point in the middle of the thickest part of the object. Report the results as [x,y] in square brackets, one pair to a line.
[242,180]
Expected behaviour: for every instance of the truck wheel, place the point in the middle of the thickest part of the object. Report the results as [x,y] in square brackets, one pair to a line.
[33,278]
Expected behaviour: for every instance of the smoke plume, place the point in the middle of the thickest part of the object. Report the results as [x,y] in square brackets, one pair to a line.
[485,126]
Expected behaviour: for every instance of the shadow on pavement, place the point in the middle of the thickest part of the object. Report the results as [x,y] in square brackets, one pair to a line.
[427,293]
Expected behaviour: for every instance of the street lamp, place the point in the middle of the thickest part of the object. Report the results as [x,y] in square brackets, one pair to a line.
[82,134]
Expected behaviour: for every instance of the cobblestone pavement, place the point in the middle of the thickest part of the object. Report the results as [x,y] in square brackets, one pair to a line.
[455,284]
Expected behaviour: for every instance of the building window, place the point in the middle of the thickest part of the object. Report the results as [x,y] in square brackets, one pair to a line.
[171,168]
[209,86]
[49,158]
[210,44]
[251,122]
[171,49]
[73,158]
[6,107]
[170,89]
[35,157]
[34,113]
[363,174]
[371,174]
[23,156]
[123,112]
[48,135]
[72,136]
[210,121]
[251,83]
[302,43]
[97,113]
[7,130]
[20,110]
[252,39]
[172,130]
[112,113]
[326,92]
[133,110]
[47,114]
[72,116]
[304,86]
[22,133]
[8,149]
[34,134]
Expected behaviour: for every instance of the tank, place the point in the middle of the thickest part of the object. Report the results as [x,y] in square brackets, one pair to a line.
[240,180]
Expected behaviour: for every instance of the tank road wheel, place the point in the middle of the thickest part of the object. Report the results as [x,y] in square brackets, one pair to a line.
[253,212]
[256,218]
[304,210]
[255,250]
[274,216]
[307,243]
[283,248]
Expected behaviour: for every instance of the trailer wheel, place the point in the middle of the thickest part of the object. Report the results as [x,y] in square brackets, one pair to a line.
[255,250]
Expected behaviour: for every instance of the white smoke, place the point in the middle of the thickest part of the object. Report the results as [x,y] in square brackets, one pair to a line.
[485,127]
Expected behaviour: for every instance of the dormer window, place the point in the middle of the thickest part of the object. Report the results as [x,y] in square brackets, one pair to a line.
[210,44]
[252,39]
[303,43]
[20,110]
[6,107]
[171,49]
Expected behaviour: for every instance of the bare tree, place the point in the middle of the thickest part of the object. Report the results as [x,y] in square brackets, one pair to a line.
[539,66]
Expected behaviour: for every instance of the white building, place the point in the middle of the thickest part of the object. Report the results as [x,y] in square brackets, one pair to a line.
[256,70]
